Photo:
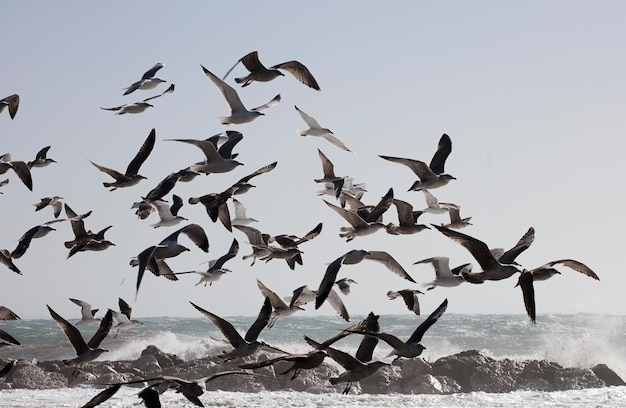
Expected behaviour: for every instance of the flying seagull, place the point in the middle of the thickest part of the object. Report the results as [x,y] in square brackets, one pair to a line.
[456,222]
[87,313]
[12,102]
[316,130]
[240,214]
[411,347]
[409,296]
[213,162]
[41,159]
[135,107]
[258,72]
[216,266]
[491,268]
[123,317]
[5,259]
[131,176]
[37,231]
[407,220]
[85,352]
[238,112]
[55,202]
[243,346]
[444,276]
[7,339]
[169,247]
[147,81]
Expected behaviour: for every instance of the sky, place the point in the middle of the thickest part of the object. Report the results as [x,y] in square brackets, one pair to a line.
[532,95]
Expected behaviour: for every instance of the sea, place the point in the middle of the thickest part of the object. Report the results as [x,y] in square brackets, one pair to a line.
[572,340]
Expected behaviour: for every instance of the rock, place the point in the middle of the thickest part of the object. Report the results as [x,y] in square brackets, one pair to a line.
[28,375]
[607,375]
[165,360]
[387,379]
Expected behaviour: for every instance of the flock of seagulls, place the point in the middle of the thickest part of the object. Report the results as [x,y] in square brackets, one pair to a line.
[219,157]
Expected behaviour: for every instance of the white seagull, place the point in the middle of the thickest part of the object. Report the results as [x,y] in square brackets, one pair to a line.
[316,130]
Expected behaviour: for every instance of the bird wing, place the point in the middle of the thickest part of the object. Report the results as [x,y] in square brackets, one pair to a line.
[300,72]
[405,212]
[208,148]
[260,171]
[417,335]
[142,154]
[525,283]
[24,243]
[7,314]
[261,321]
[85,308]
[389,262]
[273,102]
[383,205]
[337,304]
[525,241]
[255,237]
[575,265]
[103,330]
[113,173]
[195,232]
[229,93]
[327,168]
[330,276]
[13,102]
[8,338]
[251,62]
[23,172]
[275,300]
[439,158]
[308,119]
[102,396]
[5,258]
[232,252]
[353,218]
[226,149]
[478,249]
[72,333]
[124,307]
[418,167]
[224,326]
[152,71]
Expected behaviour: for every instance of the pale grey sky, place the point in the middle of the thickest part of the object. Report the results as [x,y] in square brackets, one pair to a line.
[532,95]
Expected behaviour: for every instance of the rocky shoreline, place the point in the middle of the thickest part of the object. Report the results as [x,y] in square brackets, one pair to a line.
[464,372]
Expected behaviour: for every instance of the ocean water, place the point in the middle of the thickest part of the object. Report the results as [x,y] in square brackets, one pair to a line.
[571,340]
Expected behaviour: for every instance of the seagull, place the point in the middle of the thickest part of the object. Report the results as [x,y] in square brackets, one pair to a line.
[85,352]
[216,266]
[238,113]
[19,167]
[433,204]
[55,202]
[409,296]
[412,347]
[443,275]
[289,246]
[355,369]
[131,176]
[257,240]
[240,214]
[303,295]
[147,81]
[427,178]
[299,362]
[358,226]
[136,107]
[168,183]
[5,259]
[353,257]
[407,220]
[168,215]
[8,314]
[344,285]
[456,222]
[491,268]
[279,307]
[87,314]
[258,72]
[41,159]
[123,319]
[37,231]
[243,346]
[334,184]
[12,102]
[316,130]
[169,247]
[213,162]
